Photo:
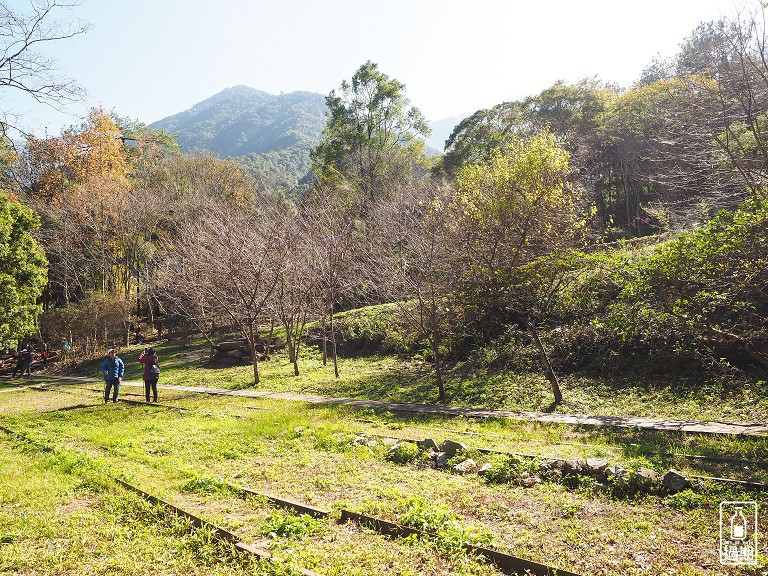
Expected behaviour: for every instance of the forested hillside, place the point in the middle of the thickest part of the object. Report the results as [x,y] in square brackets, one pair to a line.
[269,135]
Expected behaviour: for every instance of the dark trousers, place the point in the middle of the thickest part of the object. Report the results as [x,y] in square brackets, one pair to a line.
[114,384]
[19,368]
[150,384]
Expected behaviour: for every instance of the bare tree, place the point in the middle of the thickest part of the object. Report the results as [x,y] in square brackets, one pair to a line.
[411,260]
[230,262]
[295,294]
[22,67]
[709,141]
[336,230]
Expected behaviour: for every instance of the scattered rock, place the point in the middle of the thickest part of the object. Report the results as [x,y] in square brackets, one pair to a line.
[427,444]
[617,475]
[574,466]
[484,468]
[229,346]
[299,430]
[371,443]
[442,459]
[403,452]
[552,465]
[452,448]
[239,351]
[645,477]
[596,466]
[469,466]
[529,480]
[359,441]
[674,481]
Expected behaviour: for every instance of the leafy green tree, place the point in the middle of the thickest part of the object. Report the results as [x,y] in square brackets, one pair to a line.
[572,112]
[370,125]
[22,271]
[515,208]
[633,132]
[474,139]
[707,50]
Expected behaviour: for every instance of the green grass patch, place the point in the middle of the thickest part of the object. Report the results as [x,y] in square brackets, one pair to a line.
[306,452]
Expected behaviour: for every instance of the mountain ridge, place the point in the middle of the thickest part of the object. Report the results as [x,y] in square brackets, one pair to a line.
[270,135]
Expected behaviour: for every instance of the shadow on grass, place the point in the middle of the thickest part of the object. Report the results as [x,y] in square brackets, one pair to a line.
[469,385]
[404,386]
[737,457]
[72,408]
[13,384]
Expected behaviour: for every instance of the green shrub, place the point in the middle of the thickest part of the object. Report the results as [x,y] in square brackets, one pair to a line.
[686,500]
[451,533]
[403,452]
[508,468]
[206,485]
[335,441]
[295,527]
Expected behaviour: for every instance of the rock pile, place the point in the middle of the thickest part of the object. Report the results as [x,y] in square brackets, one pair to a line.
[604,474]
[236,352]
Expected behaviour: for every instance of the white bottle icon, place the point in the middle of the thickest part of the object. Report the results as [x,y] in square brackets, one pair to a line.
[738,525]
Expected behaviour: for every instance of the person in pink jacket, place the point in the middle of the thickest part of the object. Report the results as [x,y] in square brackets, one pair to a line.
[151,372]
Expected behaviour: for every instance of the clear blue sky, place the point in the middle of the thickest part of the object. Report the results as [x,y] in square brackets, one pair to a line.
[149,59]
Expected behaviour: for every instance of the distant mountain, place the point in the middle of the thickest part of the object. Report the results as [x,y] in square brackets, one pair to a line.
[269,134]
[441,130]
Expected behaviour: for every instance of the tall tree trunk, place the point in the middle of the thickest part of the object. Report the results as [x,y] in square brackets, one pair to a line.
[625,173]
[325,342]
[438,366]
[254,357]
[333,348]
[268,347]
[545,360]
[290,344]
[296,348]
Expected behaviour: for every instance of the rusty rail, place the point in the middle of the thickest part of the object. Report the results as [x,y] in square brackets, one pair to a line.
[503,561]
[219,533]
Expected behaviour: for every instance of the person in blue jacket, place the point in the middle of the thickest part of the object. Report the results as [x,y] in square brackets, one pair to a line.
[113,370]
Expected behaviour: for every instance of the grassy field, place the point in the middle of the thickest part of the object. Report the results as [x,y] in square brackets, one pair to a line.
[397,379]
[64,515]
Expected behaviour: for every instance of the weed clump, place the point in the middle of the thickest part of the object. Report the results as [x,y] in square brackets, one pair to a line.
[687,500]
[403,452]
[510,468]
[452,534]
[207,485]
[279,525]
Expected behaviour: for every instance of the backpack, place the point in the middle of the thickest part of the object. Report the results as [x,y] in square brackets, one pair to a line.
[155,370]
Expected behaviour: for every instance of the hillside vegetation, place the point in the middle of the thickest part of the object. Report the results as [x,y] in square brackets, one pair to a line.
[271,136]
[583,234]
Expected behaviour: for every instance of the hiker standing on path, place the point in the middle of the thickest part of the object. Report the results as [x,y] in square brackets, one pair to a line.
[19,355]
[113,370]
[28,356]
[151,372]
